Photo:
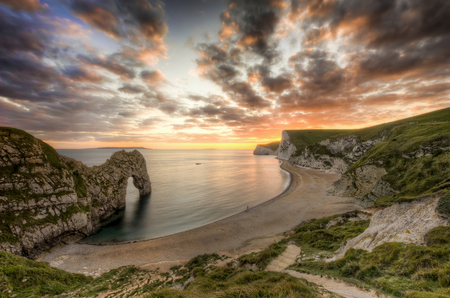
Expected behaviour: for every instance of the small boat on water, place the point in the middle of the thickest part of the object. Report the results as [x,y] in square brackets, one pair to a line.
[198,163]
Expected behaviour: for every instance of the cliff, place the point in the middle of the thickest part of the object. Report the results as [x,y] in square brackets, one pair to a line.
[402,222]
[47,199]
[267,149]
[392,162]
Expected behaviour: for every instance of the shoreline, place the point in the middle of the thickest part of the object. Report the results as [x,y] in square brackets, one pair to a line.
[202,226]
[244,232]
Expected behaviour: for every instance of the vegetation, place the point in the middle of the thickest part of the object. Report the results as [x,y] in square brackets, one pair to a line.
[263,258]
[234,282]
[413,153]
[395,268]
[27,278]
[398,269]
[314,235]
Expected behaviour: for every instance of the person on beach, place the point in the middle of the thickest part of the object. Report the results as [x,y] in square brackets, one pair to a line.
[247,207]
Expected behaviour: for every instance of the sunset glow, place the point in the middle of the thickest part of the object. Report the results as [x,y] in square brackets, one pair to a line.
[207,74]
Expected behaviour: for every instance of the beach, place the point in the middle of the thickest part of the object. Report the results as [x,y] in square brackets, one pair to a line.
[245,232]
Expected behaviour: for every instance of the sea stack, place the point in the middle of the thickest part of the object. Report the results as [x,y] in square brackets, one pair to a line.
[47,199]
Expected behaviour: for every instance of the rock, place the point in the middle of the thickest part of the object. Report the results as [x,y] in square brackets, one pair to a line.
[364,184]
[261,150]
[286,148]
[402,222]
[53,198]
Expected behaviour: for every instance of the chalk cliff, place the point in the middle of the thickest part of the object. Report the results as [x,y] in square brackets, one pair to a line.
[47,199]
[402,222]
[267,149]
[261,150]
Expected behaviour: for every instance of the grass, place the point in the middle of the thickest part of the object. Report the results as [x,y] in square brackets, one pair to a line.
[263,258]
[80,186]
[398,269]
[316,236]
[412,153]
[235,282]
[27,278]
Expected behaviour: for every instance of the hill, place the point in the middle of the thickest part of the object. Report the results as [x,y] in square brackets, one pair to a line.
[392,162]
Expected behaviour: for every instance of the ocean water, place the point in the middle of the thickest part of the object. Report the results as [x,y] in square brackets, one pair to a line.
[186,195]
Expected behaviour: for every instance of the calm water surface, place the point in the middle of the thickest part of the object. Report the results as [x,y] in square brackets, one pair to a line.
[185,195]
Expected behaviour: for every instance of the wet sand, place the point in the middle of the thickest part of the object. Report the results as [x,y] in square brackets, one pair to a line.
[244,232]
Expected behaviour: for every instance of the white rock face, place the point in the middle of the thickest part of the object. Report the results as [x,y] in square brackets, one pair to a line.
[330,155]
[402,222]
[261,150]
[286,149]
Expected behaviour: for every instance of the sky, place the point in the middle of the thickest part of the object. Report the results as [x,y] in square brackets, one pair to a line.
[223,74]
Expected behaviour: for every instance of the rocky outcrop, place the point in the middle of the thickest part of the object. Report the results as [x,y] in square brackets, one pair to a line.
[402,222]
[261,150]
[47,199]
[334,155]
[364,184]
[286,148]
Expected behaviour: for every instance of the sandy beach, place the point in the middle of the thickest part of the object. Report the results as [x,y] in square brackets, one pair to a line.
[244,232]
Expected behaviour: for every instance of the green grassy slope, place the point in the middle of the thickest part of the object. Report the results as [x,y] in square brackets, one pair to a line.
[410,173]
[399,269]
[27,278]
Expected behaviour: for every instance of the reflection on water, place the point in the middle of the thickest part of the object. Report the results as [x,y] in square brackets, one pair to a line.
[187,195]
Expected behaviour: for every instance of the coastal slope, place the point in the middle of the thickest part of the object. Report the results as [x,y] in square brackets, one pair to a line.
[47,199]
[392,162]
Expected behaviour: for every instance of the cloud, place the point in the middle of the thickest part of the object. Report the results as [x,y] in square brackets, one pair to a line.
[153,78]
[137,21]
[132,89]
[81,74]
[252,24]
[27,5]
[19,35]
[111,63]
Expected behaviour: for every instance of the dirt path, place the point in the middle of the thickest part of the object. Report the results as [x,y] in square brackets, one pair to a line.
[336,286]
[289,256]
[242,233]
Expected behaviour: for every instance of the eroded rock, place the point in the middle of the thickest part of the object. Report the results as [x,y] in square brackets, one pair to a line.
[47,198]
[402,222]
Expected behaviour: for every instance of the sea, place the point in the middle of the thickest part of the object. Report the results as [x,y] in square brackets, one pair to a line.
[190,188]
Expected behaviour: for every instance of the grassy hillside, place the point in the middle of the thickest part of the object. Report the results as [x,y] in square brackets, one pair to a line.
[415,155]
[304,138]
[26,278]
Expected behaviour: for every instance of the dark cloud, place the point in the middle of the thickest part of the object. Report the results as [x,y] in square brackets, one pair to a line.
[317,71]
[132,89]
[111,63]
[153,78]
[138,20]
[252,25]
[27,5]
[80,74]
[19,35]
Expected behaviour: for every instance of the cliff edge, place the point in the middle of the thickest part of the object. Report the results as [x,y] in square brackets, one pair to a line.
[399,161]
[47,199]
